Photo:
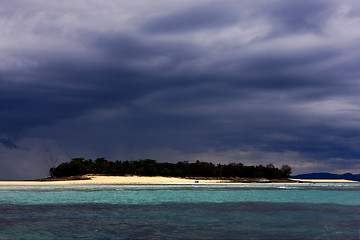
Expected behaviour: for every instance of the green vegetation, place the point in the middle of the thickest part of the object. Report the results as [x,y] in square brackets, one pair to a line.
[149,167]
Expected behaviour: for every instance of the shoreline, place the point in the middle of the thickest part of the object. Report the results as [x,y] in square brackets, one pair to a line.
[103,180]
[98,180]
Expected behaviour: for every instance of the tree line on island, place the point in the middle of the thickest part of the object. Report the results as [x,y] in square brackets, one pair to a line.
[149,167]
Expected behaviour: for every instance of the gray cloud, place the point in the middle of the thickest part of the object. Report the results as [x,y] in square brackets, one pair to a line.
[214,15]
[8,143]
[307,16]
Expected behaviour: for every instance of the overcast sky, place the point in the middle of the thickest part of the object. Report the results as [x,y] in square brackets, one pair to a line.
[257,82]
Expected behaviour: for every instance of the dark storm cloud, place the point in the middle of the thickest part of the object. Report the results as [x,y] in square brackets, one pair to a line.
[61,89]
[8,143]
[268,77]
[305,16]
[212,15]
[285,17]
[42,103]
[128,50]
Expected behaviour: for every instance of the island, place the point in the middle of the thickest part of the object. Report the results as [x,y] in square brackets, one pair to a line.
[80,169]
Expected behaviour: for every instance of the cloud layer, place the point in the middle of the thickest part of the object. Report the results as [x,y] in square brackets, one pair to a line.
[223,81]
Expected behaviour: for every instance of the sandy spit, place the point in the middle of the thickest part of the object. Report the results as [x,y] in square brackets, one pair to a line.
[113,180]
[96,180]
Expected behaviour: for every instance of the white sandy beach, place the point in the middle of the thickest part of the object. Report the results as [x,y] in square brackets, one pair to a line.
[146,180]
[114,180]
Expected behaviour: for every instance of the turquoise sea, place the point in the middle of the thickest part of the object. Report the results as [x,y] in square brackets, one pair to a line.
[221,211]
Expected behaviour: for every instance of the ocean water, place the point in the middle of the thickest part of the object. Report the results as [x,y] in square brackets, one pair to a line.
[223,211]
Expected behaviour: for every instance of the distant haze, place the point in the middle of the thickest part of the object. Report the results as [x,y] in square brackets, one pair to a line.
[255,82]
